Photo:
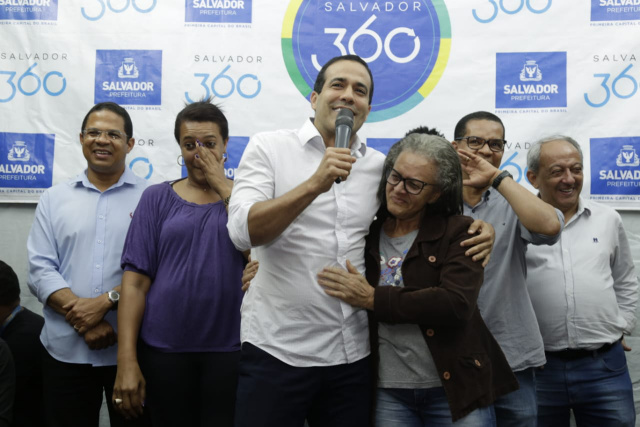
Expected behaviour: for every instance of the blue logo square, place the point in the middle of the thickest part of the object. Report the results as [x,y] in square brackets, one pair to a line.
[26,160]
[41,10]
[531,80]
[615,165]
[129,77]
[615,10]
[223,11]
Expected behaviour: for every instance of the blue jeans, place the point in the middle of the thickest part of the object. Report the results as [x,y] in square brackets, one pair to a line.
[597,388]
[519,408]
[397,407]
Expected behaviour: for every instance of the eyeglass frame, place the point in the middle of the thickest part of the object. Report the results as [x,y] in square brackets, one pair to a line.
[121,136]
[404,180]
[485,141]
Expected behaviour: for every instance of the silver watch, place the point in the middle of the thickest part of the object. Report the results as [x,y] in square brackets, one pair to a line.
[114,297]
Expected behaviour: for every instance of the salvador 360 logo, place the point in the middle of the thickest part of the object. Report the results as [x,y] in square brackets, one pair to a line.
[405,43]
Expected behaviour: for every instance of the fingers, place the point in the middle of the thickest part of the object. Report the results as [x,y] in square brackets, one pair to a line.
[486,260]
[334,274]
[69,305]
[129,407]
[475,226]
[475,241]
[336,163]
[248,274]
[351,268]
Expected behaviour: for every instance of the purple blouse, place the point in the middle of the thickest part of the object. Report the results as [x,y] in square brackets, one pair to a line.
[193,304]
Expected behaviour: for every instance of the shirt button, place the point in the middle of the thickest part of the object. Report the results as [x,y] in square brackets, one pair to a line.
[101,216]
[432,258]
[430,332]
[446,375]
[96,291]
[99,241]
[477,362]
[97,265]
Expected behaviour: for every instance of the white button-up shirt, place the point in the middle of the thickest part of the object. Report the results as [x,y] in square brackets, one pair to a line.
[285,312]
[584,288]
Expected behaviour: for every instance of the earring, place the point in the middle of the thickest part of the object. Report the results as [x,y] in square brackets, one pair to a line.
[178,160]
[225,157]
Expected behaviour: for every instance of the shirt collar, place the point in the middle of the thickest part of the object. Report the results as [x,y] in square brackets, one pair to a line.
[583,207]
[128,177]
[309,133]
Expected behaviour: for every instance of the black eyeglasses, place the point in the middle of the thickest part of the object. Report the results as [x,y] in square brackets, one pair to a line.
[411,186]
[476,143]
[112,135]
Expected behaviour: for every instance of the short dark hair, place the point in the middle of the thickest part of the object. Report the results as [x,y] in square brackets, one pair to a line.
[319,84]
[440,151]
[461,127]
[202,111]
[425,130]
[9,285]
[114,108]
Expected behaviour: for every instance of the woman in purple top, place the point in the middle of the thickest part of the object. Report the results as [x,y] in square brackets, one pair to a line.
[181,288]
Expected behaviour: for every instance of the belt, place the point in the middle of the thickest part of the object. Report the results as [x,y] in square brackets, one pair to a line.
[573,354]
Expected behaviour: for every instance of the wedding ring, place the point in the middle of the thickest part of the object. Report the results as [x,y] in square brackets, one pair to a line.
[117,401]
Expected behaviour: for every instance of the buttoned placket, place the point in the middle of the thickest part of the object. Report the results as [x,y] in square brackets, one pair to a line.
[98,244]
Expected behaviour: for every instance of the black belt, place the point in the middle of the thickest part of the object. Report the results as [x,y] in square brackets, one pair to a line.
[573,354]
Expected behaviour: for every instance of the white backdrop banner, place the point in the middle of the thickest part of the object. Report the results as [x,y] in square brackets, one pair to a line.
[544,66]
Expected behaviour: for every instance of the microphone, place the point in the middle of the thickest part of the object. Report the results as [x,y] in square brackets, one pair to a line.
[344,124]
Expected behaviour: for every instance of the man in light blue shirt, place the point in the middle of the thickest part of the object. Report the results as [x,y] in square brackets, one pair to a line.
[520,219]
[74,248]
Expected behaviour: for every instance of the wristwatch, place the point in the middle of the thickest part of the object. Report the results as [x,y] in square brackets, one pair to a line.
[114,297]
[496,182]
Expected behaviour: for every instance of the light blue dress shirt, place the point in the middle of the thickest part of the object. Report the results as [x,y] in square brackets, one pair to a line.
[503,301]
[76,242]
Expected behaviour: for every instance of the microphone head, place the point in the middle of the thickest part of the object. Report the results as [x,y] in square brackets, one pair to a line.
[345,118]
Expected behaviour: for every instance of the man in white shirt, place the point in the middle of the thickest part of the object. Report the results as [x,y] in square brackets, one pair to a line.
[584,291]
[305,354]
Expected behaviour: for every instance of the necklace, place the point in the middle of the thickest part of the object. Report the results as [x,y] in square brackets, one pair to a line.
[189,183]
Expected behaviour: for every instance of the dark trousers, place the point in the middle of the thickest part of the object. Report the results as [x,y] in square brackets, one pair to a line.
[190,389]
[73,394]
[273,393]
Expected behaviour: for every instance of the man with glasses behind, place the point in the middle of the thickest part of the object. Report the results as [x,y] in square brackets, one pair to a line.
[519,218]
[74,247]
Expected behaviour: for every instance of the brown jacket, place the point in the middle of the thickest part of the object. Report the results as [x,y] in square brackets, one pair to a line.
[440,292]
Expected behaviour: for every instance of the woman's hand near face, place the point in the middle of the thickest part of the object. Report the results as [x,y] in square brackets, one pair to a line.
[213,168]
[348,285]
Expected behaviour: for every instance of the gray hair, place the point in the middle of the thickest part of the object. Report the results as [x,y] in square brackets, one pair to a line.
[533,156]
[449,177]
